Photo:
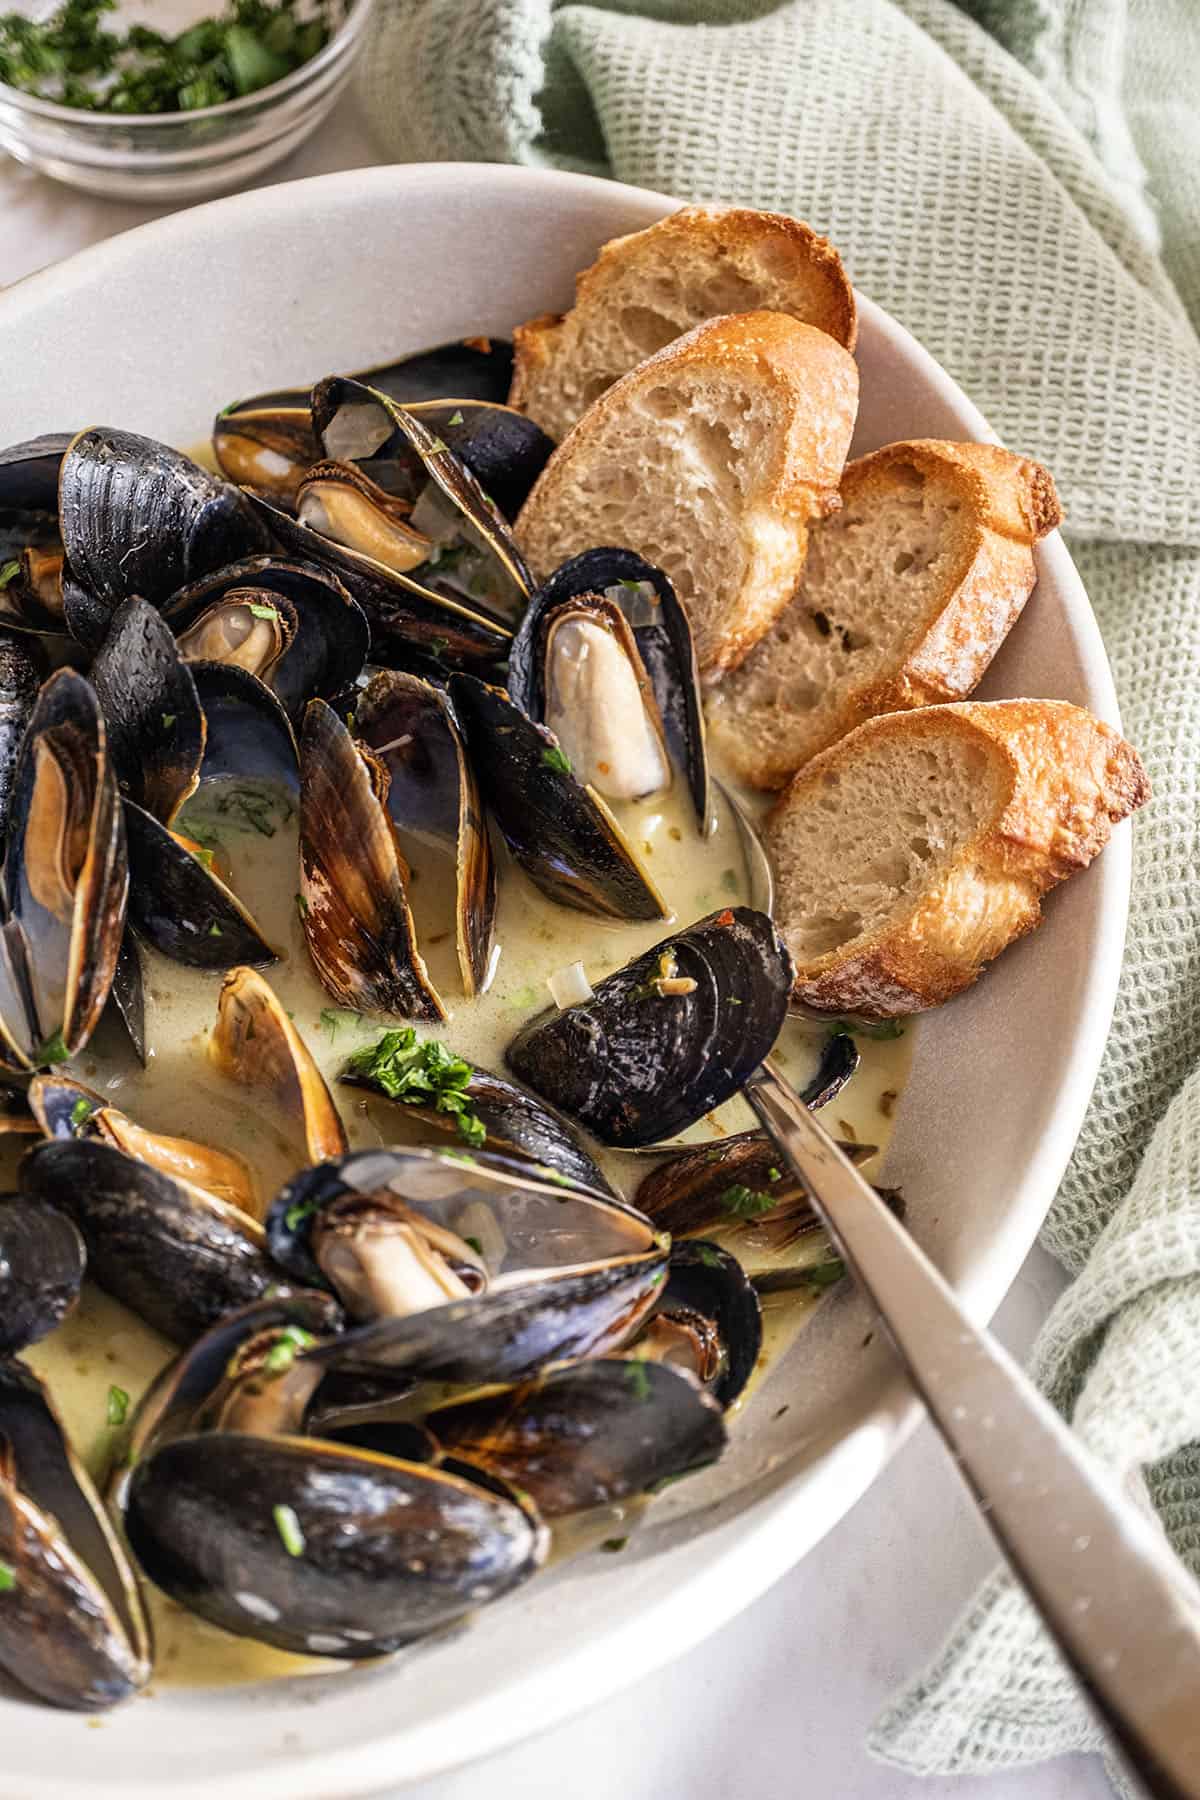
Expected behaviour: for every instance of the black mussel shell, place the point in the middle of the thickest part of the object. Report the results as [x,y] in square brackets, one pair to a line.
[474,368]
[16,1115]
[255,1044]
[642,1061]
[42,1261]
[402,1438]
[139,518]
[327,632]
[660,630]
[420,625]
[707,1285]
[511,1333]
[839,1060]
[740,1183]
[29,474]
[181,907]
[321,1548]
[516,1123]
[406,455]
[587,1436]
[250,737]
[19,680]
[353,879]
[172,1253]
[504,450]
[266,444]
[129,994]
[152,713]
[343,1401]
[560,832]
[409,725]
[64,878]
[31,589]
[72,1627]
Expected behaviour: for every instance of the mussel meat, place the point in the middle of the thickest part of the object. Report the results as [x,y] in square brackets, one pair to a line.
[667,1038]
[604,658]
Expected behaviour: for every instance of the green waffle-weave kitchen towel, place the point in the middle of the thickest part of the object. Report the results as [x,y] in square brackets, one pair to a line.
[1020,185]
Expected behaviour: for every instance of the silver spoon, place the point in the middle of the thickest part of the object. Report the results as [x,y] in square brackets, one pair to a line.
[1123,1612]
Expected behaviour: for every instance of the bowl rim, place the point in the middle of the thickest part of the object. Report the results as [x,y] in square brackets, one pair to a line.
[54,112]
[781,1525]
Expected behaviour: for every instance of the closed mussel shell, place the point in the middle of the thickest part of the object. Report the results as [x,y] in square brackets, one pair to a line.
[667,1038]
[322,1548]
[42,1262]
[586,1436]
[175,1254]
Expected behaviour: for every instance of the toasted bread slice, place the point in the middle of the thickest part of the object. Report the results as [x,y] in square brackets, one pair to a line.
[645,290]
[710,459]
[911,853]
[907,594]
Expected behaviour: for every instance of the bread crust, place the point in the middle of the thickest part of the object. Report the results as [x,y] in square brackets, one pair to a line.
[734,238]
[1066,779]
[811,381]
[1007,503]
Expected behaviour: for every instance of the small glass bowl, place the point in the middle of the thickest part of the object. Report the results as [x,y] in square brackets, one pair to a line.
[182,156]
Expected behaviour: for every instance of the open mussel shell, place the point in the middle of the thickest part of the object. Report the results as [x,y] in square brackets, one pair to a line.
[32,599]
[266,444]
[586,1436]
[29,474]
[409,725]
[405,456]
[19,681]
[72,1626]
[64,876]
[354,879]
[664,1040]
[560,832]
[293,624]
[250,736]
[504,450]
[129,994]
[551,1270]
[516,1123]
[420,625]
[152,713]
[42,1262]
[740,1184]
[180,906]
[173,1253]
[201,1387]
[374,1553]
[139,518]
[255,1044]
[707,1321]
[64,1108]
[604,657]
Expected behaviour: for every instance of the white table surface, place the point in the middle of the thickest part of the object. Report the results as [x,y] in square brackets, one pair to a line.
[778,1702]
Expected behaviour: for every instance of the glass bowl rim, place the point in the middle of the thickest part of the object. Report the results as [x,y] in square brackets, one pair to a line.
[78,117]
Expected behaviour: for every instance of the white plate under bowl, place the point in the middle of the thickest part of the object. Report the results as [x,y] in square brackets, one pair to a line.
[157,329]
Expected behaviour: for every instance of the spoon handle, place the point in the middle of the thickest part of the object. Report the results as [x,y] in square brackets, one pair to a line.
[1120,1608]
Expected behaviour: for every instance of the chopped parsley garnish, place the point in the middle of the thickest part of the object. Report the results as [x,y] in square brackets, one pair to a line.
[82,1109]
[554,759]
[436,446]
[639,1381]
[288,1527]
[54,1050]
[204,857]
[7,571]
[438,646]
[118,1406]
[708,1256]
[743,1202]
[250,809]
[8,1578]
[214,930]
[302,906]
[333,1018]
[825,1274]
[261,611]
[283,1352]
[774,1174]
[168,719]
[475,1244]
[71,58]
[421,1074]
[298,1212]
[455,418]
[614,1544]
[729,881]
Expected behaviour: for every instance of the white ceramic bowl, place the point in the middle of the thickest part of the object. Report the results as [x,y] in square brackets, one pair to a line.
[157,329]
